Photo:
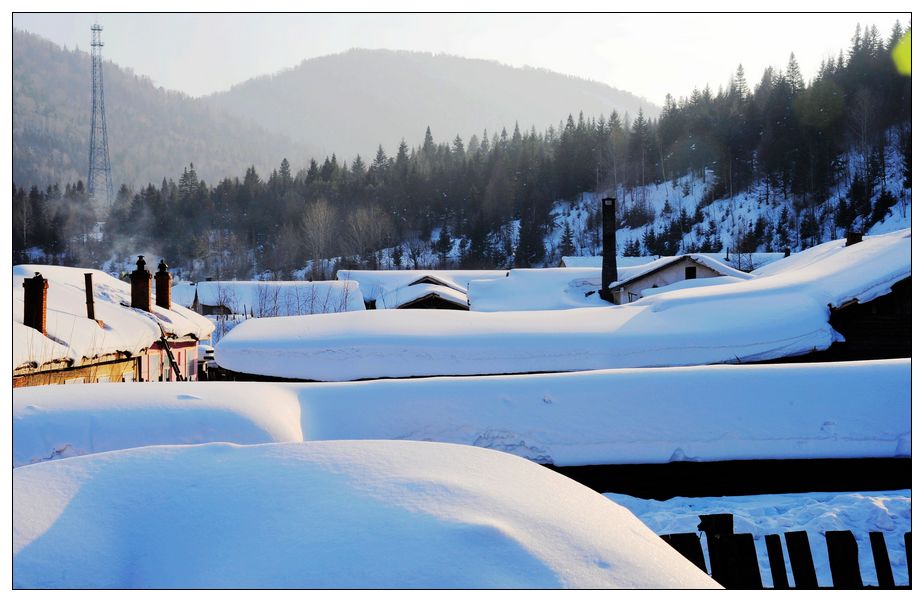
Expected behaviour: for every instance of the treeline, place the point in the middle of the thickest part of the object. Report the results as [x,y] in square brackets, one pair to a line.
[488,200]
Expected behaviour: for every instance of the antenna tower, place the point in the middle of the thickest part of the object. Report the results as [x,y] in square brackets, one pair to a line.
[99,179]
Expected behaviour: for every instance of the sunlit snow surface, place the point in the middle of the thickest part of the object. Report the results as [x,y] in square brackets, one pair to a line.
[783,311]
[338,514]
[706,413]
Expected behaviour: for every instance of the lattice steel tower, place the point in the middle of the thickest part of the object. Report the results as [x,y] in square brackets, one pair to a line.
[99,180]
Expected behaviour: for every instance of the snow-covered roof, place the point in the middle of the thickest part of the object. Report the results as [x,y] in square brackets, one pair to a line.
[687,284]
[72,336]
[780,314]
[376,283]
[629,276]
[273,298]
[537,289]
[740,261]
[632,416]
[408,294]
[332,514]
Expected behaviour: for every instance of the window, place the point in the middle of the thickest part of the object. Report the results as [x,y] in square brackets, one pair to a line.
[102,379]
[73,381]
[691,273]
[128,377]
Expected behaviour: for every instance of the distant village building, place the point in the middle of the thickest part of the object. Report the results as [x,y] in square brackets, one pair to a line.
[72,325]
[417,289]
[665,273]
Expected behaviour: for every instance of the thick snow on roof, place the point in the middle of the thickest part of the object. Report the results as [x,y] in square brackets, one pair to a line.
[628,275]
[73,336]
[376,283]
[406,294]
[596,261]
[335,514]
[653,415]
[740,261]
[687,284]
[274,298]
[888,512]
[537,289]
[781,314]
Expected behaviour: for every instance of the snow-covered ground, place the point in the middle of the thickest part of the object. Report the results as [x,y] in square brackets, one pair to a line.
[336,514]
[705,413]
[783,312]
[272,298]
[860,512]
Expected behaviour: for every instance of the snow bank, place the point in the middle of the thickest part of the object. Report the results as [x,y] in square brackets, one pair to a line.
[706,413]
[273,298]
[538,289]
[570,261]
[861,512]
[327,515]
[782,313]
[73,336]
[740,261]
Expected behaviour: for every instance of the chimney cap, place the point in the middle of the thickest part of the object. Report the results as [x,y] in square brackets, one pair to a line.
[140,263]
[162,266]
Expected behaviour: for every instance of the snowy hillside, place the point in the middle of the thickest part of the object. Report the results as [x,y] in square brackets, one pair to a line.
[756,219]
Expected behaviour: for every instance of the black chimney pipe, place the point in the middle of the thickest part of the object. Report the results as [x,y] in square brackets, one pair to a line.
[609,274]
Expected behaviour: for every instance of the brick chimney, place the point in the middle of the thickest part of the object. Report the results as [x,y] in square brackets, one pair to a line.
[162,285]
[853,238]
[141,286]
[609,273]
[35,302]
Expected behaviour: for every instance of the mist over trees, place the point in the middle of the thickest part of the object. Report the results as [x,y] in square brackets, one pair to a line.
[487,200]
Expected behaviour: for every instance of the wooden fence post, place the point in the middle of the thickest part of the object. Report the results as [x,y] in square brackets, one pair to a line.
[800,559]
[733,558]
[843,558]
[881,560]
[777,563]
[688,545]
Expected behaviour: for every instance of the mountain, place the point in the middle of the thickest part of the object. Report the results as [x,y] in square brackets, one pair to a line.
[351,102]
[153,133]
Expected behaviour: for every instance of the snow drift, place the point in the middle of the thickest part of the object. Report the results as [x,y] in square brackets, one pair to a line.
[707,413]
[326,515]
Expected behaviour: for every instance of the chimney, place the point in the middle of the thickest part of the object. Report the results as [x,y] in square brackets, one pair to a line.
[853,238]
[141,286]
[609,273]
[786,252]
[88,287]
[162,285]
[35,302]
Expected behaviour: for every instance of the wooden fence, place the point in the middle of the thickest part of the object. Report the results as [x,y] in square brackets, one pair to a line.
[733,557]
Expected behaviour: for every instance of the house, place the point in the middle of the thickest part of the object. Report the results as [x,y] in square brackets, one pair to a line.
[667,271]
[72,325]
[417,289]
[745,262]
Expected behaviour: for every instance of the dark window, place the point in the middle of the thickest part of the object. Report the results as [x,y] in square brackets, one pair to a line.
[690,273]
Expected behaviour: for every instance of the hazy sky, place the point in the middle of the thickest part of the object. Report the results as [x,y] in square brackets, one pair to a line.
[650,55]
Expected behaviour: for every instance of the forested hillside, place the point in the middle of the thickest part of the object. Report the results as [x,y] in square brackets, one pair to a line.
[351,102]
[153,132]
[787,162]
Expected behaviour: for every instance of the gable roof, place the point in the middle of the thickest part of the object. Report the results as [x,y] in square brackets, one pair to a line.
[407,295]
[375,283]
[665,262]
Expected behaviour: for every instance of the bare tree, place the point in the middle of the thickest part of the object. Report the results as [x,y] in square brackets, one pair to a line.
[318,224]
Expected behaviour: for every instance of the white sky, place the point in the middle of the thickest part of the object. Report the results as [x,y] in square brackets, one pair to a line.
[647,54]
